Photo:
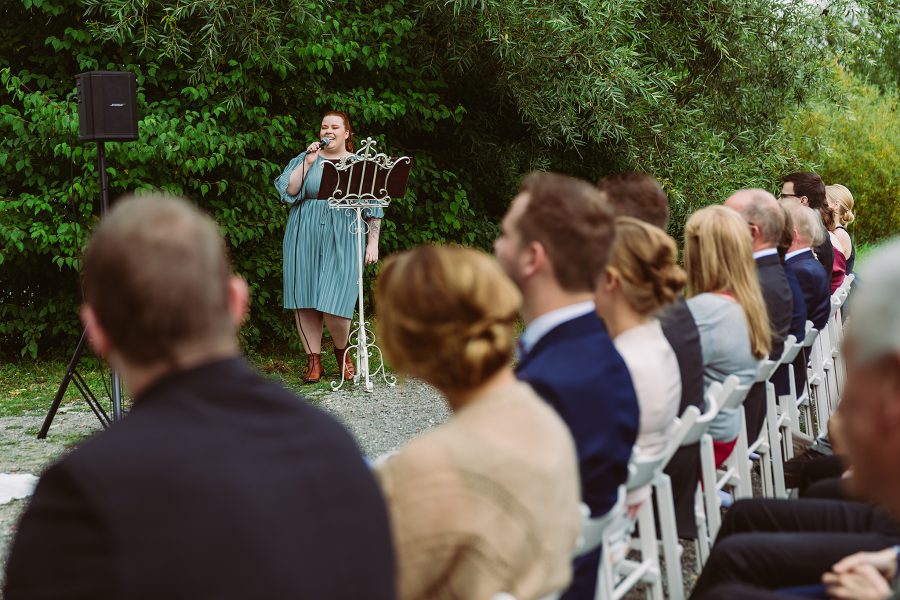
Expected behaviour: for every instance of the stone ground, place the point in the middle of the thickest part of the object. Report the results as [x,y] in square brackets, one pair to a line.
[381,422]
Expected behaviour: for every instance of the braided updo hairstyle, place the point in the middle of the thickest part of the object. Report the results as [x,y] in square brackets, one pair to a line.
[446,315]
[643,257]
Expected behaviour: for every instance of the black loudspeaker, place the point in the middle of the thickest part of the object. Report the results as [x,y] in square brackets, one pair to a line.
[107,106]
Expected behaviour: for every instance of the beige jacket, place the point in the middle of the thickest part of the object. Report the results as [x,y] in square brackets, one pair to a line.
[486,503]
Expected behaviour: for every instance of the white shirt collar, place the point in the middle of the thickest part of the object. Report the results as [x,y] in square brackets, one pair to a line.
[764,252]
[797,253]
[551,320]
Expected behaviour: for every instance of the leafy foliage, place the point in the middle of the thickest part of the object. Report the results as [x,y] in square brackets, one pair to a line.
[477,92]
[856,142]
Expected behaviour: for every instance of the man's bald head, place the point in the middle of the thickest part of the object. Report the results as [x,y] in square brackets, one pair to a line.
[761,211]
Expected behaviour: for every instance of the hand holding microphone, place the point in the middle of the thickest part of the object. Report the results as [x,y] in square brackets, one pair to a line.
[313,151]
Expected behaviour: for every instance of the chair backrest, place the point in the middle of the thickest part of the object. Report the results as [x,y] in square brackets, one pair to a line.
[811,334]
[791,349]
[642,469]
[737,397]
[593,528]
[766,368]
[716,396]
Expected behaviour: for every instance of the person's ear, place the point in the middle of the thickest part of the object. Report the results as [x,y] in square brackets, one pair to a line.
[610,280]
[803,200]
[97,336]
[534,258]
[238,299]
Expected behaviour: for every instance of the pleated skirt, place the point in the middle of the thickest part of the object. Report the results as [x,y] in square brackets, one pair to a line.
[321,266]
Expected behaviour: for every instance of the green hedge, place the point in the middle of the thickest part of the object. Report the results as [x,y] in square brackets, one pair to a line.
[477,92]
[854,140]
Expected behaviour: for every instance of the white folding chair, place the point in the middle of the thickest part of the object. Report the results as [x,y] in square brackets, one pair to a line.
[804,401]
[739,460]
[788,413]
[817,378]
[733,395]
[621,574]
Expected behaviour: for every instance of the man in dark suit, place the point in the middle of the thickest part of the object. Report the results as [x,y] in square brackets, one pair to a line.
[219,483]
[814,281]
[639,195]
[766,220]
[554,243]
[808,189]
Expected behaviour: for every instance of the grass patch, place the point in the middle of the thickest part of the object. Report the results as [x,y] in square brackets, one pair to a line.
[29,386]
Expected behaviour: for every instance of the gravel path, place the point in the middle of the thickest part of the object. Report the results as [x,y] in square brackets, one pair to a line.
[381,422]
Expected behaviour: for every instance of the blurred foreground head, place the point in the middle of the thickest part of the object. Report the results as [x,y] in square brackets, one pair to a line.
[637,195]
[869,412]
[158,287]
[446,315]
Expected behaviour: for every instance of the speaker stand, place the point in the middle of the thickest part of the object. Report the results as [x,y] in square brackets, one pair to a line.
[72,375]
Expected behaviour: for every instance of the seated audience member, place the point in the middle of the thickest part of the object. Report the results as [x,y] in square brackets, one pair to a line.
[765,218]
[642,276]
[799,313]
[808,189]
[219,483]
[838,235]
[841,202]
[727,305]
[814,281]
[488,502]
[554,244]
[772,544]
[640,196]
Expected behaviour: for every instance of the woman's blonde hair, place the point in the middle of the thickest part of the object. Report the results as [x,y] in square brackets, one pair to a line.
[718,257]
[644,260]
[844,199]
[446,315]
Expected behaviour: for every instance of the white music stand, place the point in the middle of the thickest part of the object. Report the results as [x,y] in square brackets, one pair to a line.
[367,179]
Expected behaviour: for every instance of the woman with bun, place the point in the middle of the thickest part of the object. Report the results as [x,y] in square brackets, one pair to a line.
[726,302]
[840,200]
[487,502]
[642,277]
[321,268]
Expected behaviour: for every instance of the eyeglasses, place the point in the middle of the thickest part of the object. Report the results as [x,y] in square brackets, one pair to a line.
[783,196]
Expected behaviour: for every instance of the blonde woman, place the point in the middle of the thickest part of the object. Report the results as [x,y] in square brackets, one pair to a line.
[840,200]
[642,277]
[725,299]
[489,501]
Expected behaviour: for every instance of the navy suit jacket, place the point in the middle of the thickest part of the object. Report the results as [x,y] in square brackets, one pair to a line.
[799,312]
[578,371]
[816,286]
[779,304]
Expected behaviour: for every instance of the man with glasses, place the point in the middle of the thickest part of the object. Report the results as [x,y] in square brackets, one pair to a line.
[808,189]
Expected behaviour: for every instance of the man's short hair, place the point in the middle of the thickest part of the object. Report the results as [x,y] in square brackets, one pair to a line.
[809,184]
[764,212]
[156,275]
[875,325]
[806,221]
[637,195]
[575,224]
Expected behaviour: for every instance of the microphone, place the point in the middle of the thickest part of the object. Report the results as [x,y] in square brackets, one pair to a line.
[324,142]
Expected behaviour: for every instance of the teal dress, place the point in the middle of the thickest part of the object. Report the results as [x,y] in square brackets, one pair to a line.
[321,267]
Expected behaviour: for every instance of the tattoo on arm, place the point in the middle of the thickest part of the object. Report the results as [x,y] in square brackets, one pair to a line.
[374,229]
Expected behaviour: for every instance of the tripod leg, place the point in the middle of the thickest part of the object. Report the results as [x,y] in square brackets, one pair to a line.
[64,384]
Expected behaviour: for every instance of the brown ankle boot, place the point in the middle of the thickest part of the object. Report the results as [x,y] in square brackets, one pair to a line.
[314,369]
[345,362]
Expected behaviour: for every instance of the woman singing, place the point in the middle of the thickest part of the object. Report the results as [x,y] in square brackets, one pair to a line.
[320,262]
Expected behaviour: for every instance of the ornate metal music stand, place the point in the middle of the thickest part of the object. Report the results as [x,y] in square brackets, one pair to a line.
[367,179]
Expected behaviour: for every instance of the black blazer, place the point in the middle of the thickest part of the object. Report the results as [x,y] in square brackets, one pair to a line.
[815,284]
[776,292]
[680,329]
[218,484]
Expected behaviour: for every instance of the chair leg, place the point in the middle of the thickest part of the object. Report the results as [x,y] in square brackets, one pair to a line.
[702,542]
[776,462]
[669,534]
[710,492]
[650,550]
[744,488]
